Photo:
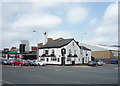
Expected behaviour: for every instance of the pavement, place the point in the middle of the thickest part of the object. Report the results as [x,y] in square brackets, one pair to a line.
[107,74]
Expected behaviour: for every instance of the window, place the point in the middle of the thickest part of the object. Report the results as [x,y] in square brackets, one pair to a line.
[46,52]
[86,59]
[73,43]
[58,59]
[70,51]
[74,51]
[53,51]
[47,59]
[42,59]
[54,59]
[79,59]
[86,54]
[63,51]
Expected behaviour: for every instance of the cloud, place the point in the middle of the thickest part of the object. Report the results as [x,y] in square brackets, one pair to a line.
[20,19]
[93,21]
[111,14]
[32,21]
[77,15]
[36,6]
[107,31]
[60,33]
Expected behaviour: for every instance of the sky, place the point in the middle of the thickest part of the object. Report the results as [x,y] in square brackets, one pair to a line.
[87,22]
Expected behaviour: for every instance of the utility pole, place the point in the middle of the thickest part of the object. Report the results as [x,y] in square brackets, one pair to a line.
[37,43]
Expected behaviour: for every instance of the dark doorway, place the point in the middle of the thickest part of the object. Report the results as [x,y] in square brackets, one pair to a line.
[73,62]
[63,60]
[82,60]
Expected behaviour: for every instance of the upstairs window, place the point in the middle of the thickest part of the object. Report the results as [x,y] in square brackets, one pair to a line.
[47,59]
[74,51]
[86,54]
[73,43]
[46,52]
[53,51]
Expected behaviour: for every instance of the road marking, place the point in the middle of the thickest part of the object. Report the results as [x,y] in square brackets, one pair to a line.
[76,82]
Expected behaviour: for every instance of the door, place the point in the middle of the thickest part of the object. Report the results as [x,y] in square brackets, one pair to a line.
[63,61]
[82,60]
[73,62]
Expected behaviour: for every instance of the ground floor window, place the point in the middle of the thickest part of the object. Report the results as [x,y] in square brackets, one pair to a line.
[58,59]
[53,59]
[79,59]
[86,59]
[42,59]
[47,59]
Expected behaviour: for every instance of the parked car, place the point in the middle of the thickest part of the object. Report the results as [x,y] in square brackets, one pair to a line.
[11,61]
[92,63]
[32,63]
[114,61]
[6,61]
[17,62]
[100,63]
[40,63]
[24,63]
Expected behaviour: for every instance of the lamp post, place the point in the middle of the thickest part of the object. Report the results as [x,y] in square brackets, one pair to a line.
[37,42]
[82,34]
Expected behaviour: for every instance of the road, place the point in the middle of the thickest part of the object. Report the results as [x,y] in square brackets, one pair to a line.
[107,74]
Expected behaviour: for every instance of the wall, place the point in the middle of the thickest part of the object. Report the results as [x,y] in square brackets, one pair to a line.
[87,57]
[103,54]
[74,49]
[57,54]
[70,46]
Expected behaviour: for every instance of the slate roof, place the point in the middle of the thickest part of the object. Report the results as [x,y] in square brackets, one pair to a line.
[84,48]
[56,43]
[60,43]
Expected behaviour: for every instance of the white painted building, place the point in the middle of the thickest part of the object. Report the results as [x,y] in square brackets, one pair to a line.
[64,52]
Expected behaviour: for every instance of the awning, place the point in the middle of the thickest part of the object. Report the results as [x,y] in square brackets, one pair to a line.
[14,52]
[35,53]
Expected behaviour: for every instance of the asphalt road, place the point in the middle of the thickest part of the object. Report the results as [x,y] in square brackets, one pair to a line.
[107,74]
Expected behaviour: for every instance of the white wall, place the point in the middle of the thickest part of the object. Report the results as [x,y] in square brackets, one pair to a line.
[57,54]
[70,46]
[88,57]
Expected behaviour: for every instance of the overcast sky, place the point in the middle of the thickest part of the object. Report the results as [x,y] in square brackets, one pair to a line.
[99,20]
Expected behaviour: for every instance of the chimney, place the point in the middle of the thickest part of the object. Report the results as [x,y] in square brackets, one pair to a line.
[49,39]
[40,44]
[45,38]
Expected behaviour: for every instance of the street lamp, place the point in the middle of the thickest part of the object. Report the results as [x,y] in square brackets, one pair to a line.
[34,31]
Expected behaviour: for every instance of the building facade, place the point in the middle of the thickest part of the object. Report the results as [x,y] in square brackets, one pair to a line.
[63,52]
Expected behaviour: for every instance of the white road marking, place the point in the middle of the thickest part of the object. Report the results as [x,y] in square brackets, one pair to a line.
[76,82]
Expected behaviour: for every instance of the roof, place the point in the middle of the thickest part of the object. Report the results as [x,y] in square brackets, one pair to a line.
[56,43]
[84,48]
